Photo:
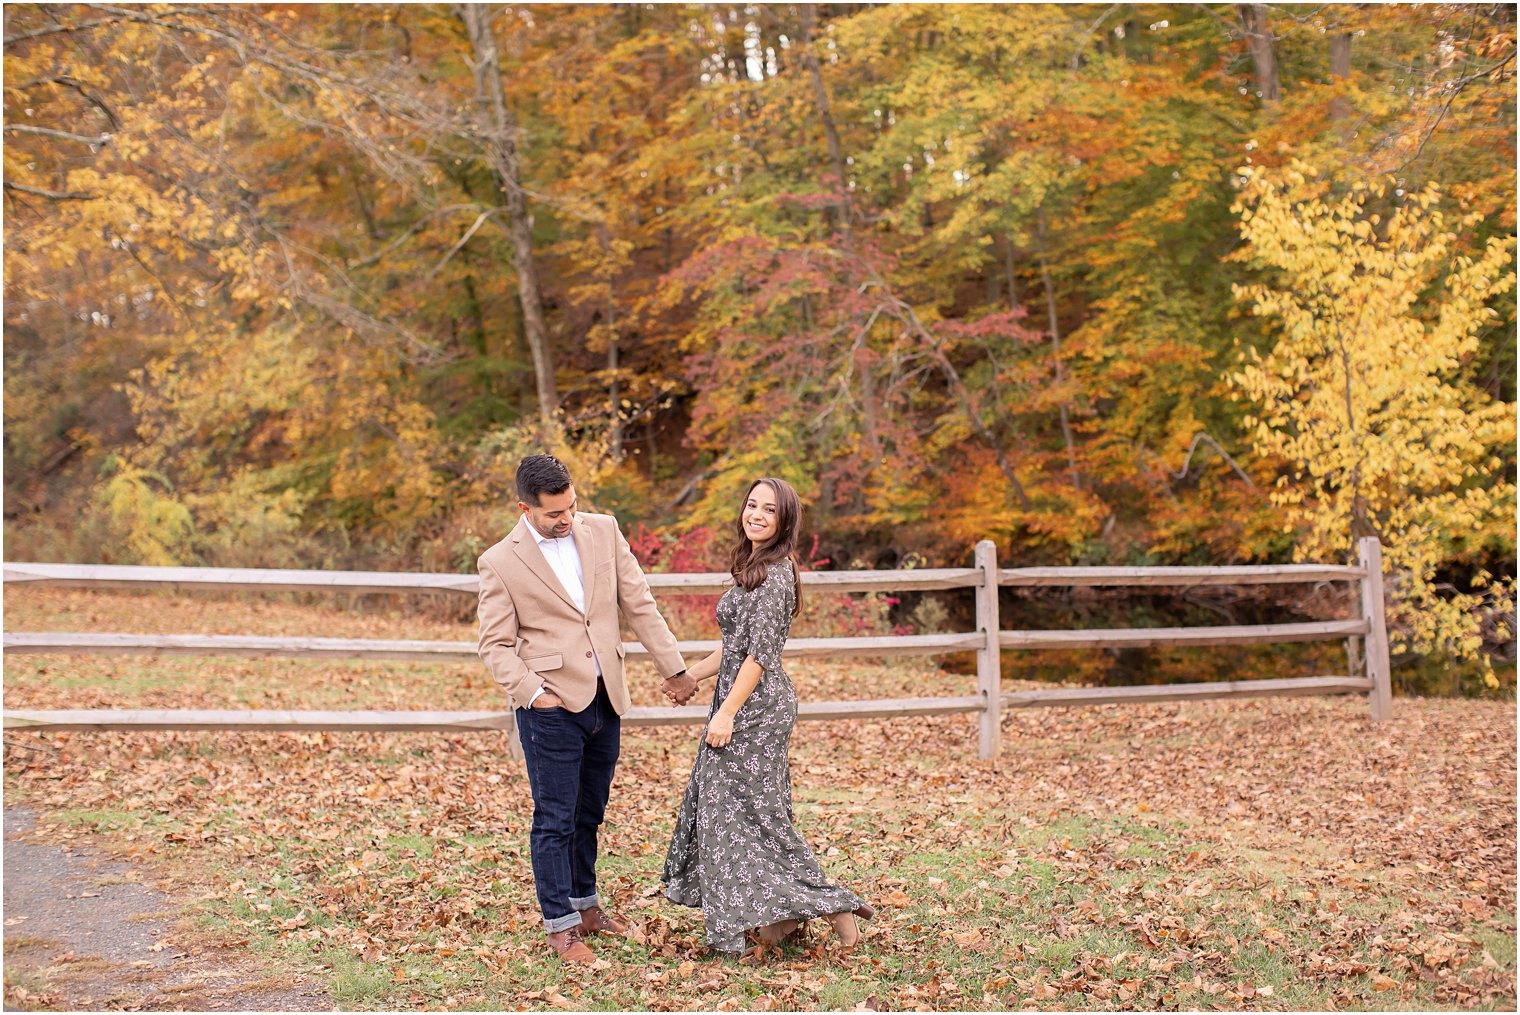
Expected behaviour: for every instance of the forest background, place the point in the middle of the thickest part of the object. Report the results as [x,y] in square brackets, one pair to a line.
[296,286]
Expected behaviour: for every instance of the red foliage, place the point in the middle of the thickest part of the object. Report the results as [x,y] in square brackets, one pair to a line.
[698,550]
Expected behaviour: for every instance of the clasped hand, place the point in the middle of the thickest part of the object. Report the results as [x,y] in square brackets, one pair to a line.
[679,688]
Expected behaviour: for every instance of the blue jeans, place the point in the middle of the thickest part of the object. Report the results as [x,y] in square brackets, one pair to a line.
[570,759]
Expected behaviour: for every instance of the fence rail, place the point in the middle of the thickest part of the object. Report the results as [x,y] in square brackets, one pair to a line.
[1245,574]
[1365,635]
[365,582]
[431,651]
[1151,637]
[267,720]
[123,576]
[1187,692]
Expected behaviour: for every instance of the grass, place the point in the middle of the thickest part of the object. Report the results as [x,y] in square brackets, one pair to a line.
[1170,856]
[963,923]
[26,989]
[25,942]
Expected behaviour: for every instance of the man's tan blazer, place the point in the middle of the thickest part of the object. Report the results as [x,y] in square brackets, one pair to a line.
[532,635]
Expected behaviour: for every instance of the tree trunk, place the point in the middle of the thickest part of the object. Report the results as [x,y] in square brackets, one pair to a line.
[868,414]
[477,317]
[1258,33]
[1055,353]
[1008,273]
[614,391]
[825,111]
[840,212]
[1340,70]
[498,129]
[371,229]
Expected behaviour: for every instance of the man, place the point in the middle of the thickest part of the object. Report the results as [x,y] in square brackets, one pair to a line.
[550,595]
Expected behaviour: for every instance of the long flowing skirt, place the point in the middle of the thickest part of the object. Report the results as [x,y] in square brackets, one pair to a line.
[735,853]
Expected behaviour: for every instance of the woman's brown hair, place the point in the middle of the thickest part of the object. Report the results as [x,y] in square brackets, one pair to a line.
[748,565]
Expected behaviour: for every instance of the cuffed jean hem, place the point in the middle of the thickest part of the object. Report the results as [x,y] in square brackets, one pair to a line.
[581,905]
[560,923]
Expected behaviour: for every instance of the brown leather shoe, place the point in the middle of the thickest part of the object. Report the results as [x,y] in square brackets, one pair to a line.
[567,944]
[596,920]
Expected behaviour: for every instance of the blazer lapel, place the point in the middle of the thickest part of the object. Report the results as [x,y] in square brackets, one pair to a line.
[584,545]
[529,552]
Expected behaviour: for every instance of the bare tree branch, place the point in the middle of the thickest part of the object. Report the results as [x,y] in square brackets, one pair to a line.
[904,312]
[1199,439]
[1076,55]
[410,231]
[38,33]
[51,195]
[62,135]
[479,221]
[79,86]
[1456,89]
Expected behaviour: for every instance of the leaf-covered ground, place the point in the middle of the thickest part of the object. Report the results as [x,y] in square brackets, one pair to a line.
[1272,854]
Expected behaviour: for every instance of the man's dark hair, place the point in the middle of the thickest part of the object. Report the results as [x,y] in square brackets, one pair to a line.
[541,474]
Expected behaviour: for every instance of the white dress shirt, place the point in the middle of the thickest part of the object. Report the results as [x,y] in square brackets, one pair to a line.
[565,558]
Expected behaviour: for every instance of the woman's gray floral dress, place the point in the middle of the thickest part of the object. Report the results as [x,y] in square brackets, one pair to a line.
[735,854]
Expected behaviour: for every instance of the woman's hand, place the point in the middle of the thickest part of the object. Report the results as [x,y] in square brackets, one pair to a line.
[720,730]
[679,688]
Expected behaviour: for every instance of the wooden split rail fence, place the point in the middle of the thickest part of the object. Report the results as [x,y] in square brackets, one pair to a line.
[1364,633]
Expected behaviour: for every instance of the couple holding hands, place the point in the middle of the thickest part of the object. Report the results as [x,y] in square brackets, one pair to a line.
[551,594]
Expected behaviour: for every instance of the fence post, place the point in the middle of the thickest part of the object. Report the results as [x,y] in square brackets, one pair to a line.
[514,744]
[1375,647]
[989,662]
[1355,658]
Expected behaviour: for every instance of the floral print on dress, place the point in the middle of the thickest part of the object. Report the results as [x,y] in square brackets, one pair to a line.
[735,853]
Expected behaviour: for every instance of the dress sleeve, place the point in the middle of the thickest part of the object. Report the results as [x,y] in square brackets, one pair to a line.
[770,617]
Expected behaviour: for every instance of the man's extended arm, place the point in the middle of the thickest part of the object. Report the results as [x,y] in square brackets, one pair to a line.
[638,606]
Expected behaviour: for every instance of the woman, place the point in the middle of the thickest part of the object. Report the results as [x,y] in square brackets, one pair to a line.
[735,853]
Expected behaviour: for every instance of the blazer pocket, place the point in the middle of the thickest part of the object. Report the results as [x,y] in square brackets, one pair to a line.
[541,664]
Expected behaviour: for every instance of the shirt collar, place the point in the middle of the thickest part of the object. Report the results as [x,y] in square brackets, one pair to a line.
[542,539]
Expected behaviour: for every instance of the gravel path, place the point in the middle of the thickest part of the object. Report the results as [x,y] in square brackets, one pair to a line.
[82,932]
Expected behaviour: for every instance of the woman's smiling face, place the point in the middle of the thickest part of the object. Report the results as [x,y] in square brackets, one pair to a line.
[759,515]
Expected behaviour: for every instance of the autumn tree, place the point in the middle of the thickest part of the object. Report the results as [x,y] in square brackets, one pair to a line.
[1366,393]
[957,270]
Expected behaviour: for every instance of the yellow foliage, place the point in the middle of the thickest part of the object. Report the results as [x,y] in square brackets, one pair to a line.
[149,525]
[775,452]
[1363,395]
